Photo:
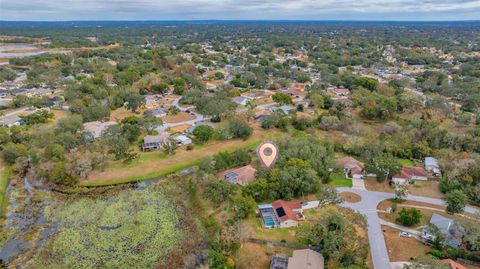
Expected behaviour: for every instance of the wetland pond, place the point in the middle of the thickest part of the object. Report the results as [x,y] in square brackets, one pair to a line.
[141,225]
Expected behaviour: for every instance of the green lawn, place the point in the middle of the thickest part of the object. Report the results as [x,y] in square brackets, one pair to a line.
[150,157]
[4,178]
[405,162]
[339,180]
[161,172]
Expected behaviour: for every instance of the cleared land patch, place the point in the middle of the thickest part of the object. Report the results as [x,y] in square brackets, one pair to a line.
[180,117]
[401,248]
[350,197]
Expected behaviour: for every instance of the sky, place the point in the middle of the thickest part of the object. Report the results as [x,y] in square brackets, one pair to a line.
[64,10]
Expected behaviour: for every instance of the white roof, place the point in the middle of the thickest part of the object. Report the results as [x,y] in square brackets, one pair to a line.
[430,161]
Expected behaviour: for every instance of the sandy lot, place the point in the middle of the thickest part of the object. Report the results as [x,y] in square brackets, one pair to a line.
[401,248]
[259,256]
[180,117]
[350,197]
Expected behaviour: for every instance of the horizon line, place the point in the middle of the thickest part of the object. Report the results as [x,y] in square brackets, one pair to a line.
[246,20]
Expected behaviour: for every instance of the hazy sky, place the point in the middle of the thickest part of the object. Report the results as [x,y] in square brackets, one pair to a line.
[239,9]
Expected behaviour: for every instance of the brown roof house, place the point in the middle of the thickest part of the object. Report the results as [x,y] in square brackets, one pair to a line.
[409,174]
[351,167]
[306,259]
[241,175]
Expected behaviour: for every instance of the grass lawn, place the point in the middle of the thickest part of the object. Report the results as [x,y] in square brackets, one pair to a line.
[255,229]
[154,164]
[253,255]
[5,172]
[338,180]
[405,162]
[400,248]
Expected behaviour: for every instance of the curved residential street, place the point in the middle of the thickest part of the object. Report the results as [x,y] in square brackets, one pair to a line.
[368,207]
[166,125]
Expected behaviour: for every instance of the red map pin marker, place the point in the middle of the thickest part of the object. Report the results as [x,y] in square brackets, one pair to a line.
[267,153]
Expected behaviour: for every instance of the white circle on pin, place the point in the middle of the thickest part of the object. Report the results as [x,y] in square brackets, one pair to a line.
[267,152]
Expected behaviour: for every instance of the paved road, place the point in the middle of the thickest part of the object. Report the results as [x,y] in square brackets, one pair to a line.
[242,110]
[198,117]
[414,232]
[368,207]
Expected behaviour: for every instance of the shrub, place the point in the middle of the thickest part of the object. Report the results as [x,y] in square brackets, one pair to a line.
[409,216]
[203,133]
[240,129]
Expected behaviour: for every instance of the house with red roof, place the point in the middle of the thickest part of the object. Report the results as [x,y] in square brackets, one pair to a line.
[409,174]
[289,213]
[281,214]
[351,167]
[453,264]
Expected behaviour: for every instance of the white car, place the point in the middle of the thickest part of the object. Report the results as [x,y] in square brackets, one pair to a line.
[404,234]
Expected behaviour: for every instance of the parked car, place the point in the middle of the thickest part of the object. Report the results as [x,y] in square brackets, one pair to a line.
[405,234]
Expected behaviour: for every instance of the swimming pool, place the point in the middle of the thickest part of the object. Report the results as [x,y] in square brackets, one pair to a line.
[268,221]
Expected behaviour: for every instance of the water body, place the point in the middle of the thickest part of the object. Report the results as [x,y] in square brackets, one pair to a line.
[120,225]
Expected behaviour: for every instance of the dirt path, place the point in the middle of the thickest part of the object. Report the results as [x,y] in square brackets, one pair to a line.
[155,167]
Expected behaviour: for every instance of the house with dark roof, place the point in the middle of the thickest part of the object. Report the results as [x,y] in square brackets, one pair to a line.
[279,262]
[241,175]
[154,142]
[409,174]
[447,227]
[431,165]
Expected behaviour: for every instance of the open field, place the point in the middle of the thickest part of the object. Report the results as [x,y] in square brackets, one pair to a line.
[374,185]
[180,117]
[121,113]
[401,248]
[158,165]
[254,227]
[426,188]
[179,128]
[253,255]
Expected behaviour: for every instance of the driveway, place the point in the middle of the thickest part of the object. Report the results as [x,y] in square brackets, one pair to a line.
[358,183]
[368,207]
